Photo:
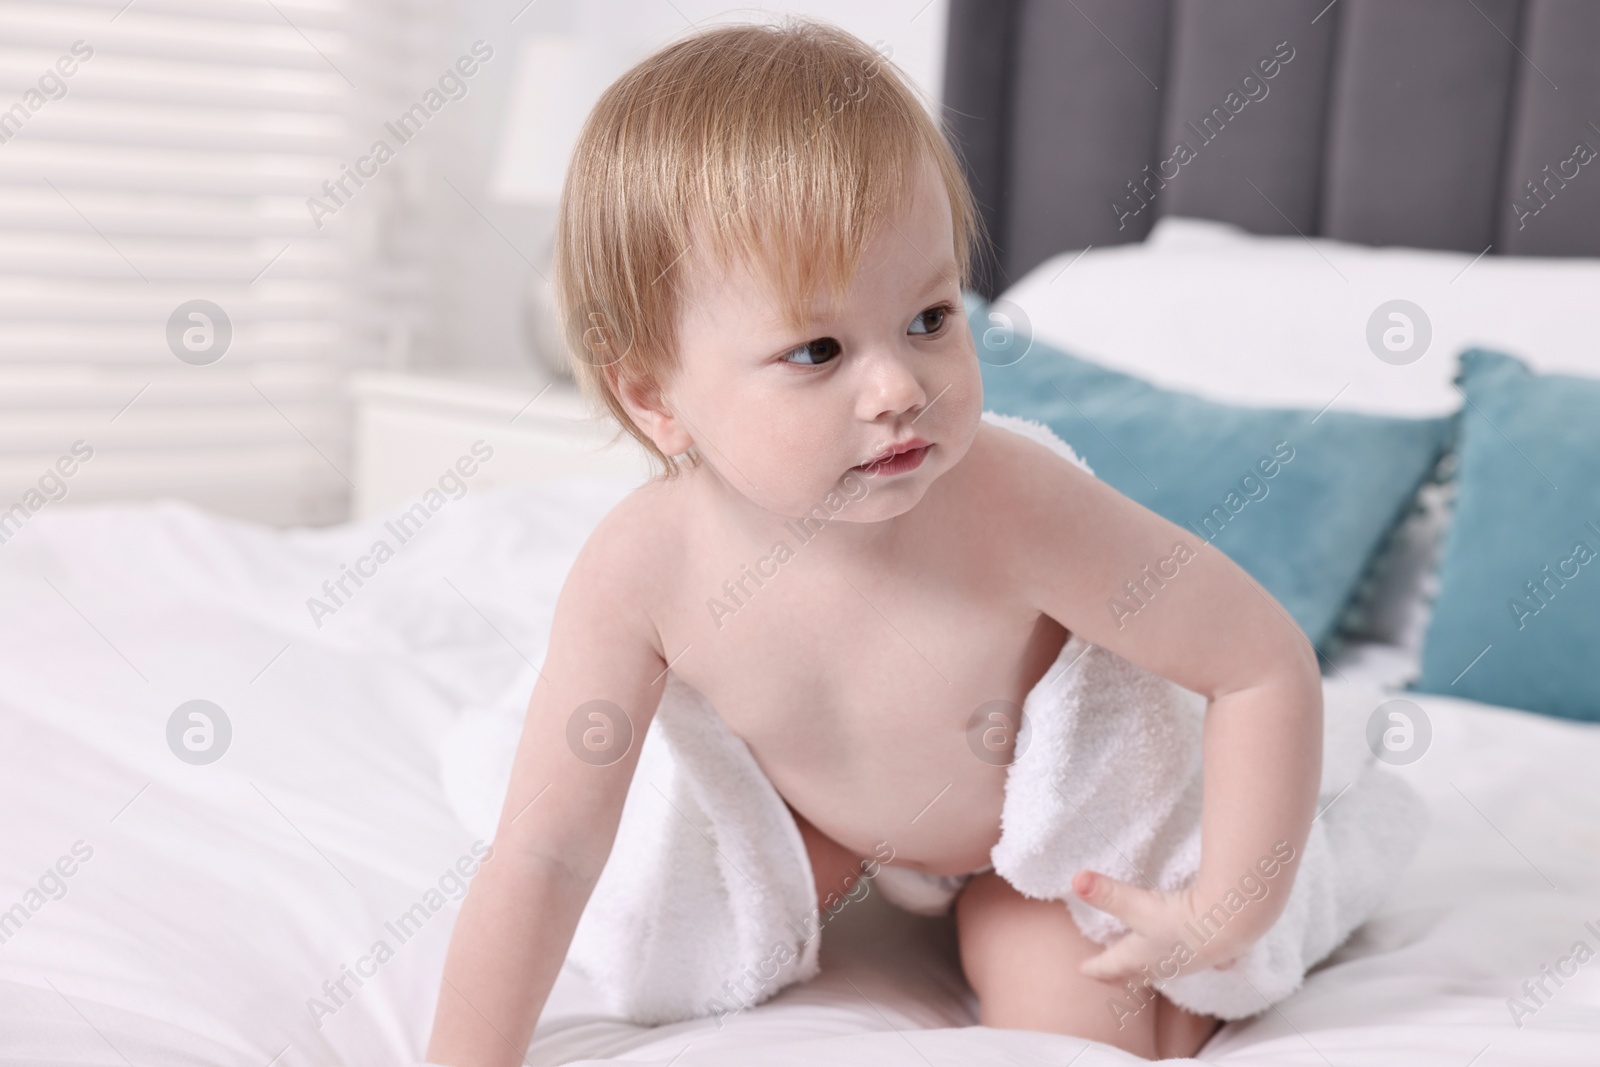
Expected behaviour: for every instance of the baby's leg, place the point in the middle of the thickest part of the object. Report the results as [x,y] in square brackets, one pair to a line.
[1021,957]
[833,866]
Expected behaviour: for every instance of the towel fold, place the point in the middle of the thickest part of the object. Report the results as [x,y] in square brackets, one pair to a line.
[706,905]
[1111,782]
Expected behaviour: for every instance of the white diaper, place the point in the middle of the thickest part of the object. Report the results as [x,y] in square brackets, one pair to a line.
[918,891]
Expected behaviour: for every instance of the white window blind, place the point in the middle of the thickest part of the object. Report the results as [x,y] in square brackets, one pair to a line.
[155,153]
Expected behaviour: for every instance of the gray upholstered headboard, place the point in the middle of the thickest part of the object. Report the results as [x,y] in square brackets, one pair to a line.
[1451,124]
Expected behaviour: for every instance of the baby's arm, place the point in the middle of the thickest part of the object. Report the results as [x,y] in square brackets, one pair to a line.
[560,816]
[1212,629]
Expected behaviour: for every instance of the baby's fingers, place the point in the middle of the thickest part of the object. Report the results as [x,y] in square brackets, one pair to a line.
[1122,959]
[1138,908]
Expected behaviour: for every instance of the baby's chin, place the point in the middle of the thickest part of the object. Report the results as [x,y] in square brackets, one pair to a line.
[849,500]
[866,498]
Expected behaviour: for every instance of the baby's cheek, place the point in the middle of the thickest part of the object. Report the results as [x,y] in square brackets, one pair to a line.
[965,400]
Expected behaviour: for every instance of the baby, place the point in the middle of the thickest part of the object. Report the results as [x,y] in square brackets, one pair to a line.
[761,252]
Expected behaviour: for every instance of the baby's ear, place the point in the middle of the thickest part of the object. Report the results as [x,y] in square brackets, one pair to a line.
[649,410]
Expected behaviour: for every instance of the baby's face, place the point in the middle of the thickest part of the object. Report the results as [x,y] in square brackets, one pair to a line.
[782,418]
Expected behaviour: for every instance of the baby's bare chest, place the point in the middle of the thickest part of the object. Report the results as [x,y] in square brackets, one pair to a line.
[868,695]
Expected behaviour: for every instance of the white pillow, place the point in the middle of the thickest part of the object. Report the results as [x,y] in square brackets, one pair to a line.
[1205,307]
[1175,231]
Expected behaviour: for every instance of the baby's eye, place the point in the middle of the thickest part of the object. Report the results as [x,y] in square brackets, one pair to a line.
[939,311]
[815,352]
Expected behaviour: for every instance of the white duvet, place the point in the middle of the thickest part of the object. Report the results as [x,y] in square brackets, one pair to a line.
[290,903]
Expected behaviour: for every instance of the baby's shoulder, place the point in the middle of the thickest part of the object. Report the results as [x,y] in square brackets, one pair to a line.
[1033,496]
[639,541]
[1012,462]
[1028,443]
[640,532]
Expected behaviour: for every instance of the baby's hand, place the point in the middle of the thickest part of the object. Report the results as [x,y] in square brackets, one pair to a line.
[1164,931]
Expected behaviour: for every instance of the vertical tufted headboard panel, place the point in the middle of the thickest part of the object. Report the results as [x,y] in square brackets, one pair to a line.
[1451,124]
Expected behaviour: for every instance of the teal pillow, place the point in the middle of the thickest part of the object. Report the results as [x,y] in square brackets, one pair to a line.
[1517,618]
[1301,500]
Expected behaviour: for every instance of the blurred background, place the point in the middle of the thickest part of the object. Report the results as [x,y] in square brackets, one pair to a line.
[213,276]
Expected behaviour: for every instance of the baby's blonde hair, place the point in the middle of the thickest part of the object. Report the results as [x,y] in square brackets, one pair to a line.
[784,145]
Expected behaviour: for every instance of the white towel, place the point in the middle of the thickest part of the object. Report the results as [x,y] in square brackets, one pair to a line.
[1096,791]
[706,905]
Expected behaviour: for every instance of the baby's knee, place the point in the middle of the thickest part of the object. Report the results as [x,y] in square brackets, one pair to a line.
[1021,958]
[999,930]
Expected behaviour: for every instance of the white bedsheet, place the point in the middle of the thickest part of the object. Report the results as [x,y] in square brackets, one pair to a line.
[218,899]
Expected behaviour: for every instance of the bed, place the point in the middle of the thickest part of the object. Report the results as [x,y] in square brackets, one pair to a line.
[219,899]
[272,884]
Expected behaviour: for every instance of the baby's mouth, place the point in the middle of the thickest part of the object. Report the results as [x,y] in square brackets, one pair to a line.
[895,462]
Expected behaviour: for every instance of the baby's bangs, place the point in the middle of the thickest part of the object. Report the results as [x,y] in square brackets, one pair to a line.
[805,163]
[806,236]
